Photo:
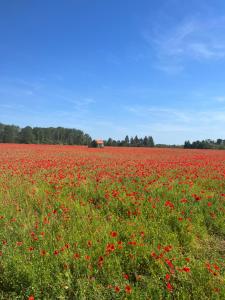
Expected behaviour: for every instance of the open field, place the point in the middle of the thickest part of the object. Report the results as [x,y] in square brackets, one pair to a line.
[113,223]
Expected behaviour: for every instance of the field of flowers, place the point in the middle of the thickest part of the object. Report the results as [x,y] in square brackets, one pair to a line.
[112,223]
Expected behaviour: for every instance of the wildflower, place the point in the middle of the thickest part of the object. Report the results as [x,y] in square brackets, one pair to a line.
[142,233]
[128,289]
[187,259]
[19,244]
[168,248]
[153,254]
[100,261]
[169,287]
[183,200]
[186,269]
[169,263]
[216,267]
[43,252]
[167,277]
[110,248]
[113,234]
[89,243]
[120,244]
[169,204]
[133,243]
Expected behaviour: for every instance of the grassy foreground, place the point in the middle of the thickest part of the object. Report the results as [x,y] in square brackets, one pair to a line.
[79,223]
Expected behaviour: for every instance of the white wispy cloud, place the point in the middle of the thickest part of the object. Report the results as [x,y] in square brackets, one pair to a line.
[82,101]
[193,39]
[178,115]
[163,112]
[220,99]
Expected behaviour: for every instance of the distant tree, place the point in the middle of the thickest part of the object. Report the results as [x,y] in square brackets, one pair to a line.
[87,139]
[10,134]
[136,141]
[205,144]
[126,141]
[93,144]
[114,143]
[219,141]
[151,142]
[132,141]
[39,135]
[109,142]
[187,144]
[2,126]
[145,141]
[26,135]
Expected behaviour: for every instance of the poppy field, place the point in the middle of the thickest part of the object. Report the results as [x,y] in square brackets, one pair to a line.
[112,223]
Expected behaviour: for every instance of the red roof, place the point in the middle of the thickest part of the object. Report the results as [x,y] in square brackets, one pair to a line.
[99,142]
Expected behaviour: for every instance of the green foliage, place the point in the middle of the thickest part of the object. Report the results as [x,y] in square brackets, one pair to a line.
[9,133]
[39,135]
[205,144]
[147,141]
[93,144]
[26,135]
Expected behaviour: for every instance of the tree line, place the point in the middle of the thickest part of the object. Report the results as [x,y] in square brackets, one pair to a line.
[40,135]
[68,136]
[147,141]
[205,144]
[61,135]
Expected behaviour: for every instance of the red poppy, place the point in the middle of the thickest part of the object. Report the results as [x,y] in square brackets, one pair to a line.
[128,289]
[113,234]
[186,269]
[169,286]
[167,277]
[110,248]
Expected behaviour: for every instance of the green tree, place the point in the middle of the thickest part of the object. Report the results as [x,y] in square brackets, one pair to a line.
[187,144]
[2,126]
[26,135]
[10,134]
[151,142]
[126,141]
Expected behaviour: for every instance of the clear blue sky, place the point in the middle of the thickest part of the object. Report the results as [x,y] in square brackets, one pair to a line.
[115,67]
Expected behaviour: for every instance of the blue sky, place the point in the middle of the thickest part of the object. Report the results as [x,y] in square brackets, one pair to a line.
[115,67]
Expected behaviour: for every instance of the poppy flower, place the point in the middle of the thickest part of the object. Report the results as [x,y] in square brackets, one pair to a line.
[113,234]
[128,289]
[169,287]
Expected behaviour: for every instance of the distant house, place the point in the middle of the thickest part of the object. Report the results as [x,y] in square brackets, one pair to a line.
[97,144]
[100,143]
